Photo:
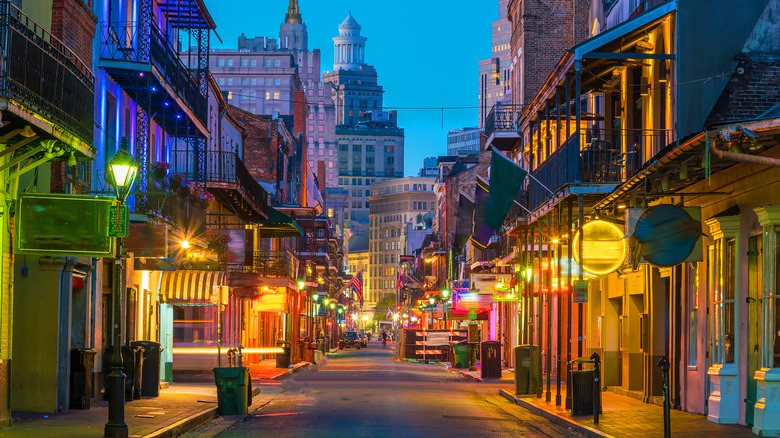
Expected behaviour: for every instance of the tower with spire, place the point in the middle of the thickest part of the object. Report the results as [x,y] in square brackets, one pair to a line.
[349,46]
[292,32]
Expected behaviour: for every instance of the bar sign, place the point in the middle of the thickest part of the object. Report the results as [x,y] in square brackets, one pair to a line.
[580,294]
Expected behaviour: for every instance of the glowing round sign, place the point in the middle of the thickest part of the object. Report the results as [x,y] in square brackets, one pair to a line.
[603,248]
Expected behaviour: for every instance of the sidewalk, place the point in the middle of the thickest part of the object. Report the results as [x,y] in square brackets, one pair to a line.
[507,374]
[179,409]
[625,417]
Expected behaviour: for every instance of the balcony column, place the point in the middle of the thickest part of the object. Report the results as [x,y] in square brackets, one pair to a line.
[578,112]
[547,137]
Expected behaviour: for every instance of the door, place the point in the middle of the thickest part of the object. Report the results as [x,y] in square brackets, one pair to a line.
[755,245]
[166,341]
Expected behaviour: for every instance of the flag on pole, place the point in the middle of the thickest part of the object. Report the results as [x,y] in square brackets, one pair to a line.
[400,281]
[481,232]
[506,180]
[389,314]
[357,286]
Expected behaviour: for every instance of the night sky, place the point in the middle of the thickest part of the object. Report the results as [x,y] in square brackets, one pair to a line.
[426,54]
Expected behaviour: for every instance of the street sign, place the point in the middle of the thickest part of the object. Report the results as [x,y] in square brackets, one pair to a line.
[580,294]
[472,313]
[118,221]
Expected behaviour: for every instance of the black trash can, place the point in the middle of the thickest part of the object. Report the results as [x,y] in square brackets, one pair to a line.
[283,359]
[150,373]
[82,360]
[524,360]
[132,361]
[582,392]
[490,352]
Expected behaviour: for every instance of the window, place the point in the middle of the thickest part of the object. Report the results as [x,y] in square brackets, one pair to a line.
[356,148]
[369,148]
[769,251]
[277,62]
[253,81]
[230,62]
[276,95]
[252,62]
[230,81]
[343,148]
[722,282]
[244,62]
[266,62]
[267,81]
[277,81]
[221,81]
[220,62]
[243,81]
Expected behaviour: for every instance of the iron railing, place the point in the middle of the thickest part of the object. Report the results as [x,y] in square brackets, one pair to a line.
[41,73]
[313,246]
[270,264]
[145,43]
[502,118]
[607,157]
[221,167]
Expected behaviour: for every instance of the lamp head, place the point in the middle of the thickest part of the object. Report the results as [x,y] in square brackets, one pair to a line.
[445,293]
[432,300]
[123,170]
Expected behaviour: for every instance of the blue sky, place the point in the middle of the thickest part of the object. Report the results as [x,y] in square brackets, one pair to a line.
[426,54]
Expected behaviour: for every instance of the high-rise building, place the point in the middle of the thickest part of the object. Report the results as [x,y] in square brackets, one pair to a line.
[262,75]
[430,169]
[394,204]
[464,141]
[370,143]
[494,72]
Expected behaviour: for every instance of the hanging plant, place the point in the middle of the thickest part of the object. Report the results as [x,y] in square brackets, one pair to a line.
[175,181]
[160,169]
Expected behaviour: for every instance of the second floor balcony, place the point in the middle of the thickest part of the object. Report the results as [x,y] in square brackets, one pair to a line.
[607,158]
[501,126]
[141,58]
[269,264]
[40,74]
[227,178]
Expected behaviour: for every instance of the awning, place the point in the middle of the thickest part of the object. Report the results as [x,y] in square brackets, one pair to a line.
[278,225]
[190,285]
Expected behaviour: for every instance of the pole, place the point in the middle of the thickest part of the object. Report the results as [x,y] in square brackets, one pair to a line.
[530,312]
[569,256]
[560,316]
[539,316]
[596,387]
[116,426]
[663,363]
[219,334]
[548,394]
[582,274]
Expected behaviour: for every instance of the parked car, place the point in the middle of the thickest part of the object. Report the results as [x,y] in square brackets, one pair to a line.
[363,339]
[349,339]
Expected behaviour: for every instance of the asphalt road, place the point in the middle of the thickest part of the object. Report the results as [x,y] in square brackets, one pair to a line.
[366,393]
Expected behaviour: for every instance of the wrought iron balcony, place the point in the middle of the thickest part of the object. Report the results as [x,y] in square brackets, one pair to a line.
[227,177]
[607,157]
[129,50]
[501,126]
[270,264]
[39,72]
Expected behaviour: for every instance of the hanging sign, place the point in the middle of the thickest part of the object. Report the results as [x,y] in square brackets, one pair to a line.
[603,247]
[118,221]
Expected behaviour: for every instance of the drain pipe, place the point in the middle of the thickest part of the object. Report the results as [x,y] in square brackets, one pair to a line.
[740,157]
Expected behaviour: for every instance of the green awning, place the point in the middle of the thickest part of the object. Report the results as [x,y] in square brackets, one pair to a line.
[278,225]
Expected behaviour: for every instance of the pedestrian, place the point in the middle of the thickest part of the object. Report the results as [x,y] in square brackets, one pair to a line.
[384,338]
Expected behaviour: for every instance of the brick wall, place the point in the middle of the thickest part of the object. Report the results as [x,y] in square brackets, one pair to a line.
[73,22]
[544,30]
[750,94]
[261,144]
[300,111]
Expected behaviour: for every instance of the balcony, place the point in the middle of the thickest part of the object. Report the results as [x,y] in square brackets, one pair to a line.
[227,178]
[140,57]
[39,74]
[269,264]
[608,158]
[501,126]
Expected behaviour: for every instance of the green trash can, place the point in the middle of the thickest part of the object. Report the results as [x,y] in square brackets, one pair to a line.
[461,355]
[232,390]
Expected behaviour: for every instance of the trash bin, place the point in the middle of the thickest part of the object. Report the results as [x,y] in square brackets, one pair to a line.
[131,367]
[490,352]
[283,359]
[233,393]
[524,360]
[582,392]
[461,354]
[150,374]
[81,362]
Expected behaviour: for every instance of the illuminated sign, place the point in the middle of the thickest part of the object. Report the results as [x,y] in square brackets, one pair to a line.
[603,247]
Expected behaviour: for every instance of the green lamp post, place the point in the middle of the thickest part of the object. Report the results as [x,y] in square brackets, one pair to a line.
[123,170]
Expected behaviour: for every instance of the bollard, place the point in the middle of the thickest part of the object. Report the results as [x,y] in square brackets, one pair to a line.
[663,363]
[596,387]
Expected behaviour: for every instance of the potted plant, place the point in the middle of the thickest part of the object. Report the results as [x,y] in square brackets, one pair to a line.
[205,199]
[176,180]
[160,169]
[185,188]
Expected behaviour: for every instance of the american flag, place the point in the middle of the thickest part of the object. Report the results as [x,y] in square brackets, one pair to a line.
[400,281]
[357,286]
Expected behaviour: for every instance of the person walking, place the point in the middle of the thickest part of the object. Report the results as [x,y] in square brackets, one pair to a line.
[384,339]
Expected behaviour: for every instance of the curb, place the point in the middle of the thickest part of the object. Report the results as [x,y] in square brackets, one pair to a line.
[555,418]
[288,372]
[464,374]
[185,425]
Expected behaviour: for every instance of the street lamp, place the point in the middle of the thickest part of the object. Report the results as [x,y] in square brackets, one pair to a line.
[123,170]
[432,301]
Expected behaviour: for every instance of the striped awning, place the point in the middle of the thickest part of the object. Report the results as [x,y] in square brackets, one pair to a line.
[190,285]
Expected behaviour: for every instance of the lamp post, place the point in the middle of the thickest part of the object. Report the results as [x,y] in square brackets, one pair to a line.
[432,301]
[123,170]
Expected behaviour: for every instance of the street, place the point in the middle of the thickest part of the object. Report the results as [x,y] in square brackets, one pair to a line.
[366,393]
